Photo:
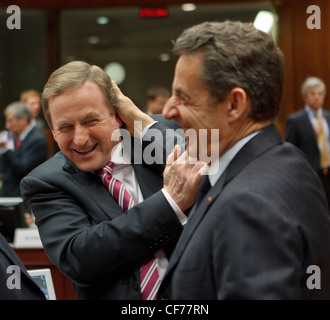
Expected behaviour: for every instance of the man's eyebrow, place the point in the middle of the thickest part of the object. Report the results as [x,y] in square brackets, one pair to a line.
[91,115]
[181,93]
[64,122]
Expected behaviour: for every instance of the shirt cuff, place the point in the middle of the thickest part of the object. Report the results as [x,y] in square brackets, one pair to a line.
[147,128]
[181,216]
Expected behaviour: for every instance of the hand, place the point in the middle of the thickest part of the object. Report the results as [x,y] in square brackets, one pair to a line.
[182,177]
[128,112]
[4,138]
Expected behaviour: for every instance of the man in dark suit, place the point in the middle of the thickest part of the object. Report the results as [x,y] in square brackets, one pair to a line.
[261,229]
[83,229]
[15,282]
[23,148]
[302,129]
[23,151]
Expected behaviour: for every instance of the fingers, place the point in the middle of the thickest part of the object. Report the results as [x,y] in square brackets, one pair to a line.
[114,84]
[118,92]
[201,168]
[173,156]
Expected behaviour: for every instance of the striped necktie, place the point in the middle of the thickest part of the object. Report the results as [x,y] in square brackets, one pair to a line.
[149,277]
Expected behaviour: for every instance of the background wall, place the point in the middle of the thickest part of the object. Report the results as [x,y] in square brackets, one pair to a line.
[307,52]
[30,58]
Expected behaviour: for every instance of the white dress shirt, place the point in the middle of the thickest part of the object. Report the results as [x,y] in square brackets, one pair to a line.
[124,172]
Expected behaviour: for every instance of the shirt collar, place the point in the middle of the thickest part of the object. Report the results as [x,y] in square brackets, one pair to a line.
[218,166]
[119,155]
[27,130]
[311,112]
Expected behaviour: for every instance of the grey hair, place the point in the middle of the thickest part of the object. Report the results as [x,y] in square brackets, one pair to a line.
[19,110]
[312,82]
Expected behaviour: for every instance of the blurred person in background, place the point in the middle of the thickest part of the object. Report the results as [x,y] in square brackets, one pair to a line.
[308,129]
[21,150]
[157,97]
[32,99]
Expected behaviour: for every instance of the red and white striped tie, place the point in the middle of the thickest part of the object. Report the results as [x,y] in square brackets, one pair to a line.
[149,277]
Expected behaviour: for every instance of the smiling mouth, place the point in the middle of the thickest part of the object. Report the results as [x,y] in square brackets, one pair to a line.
[83,151]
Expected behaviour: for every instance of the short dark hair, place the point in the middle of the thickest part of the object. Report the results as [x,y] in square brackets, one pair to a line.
[155,91]
[236,54]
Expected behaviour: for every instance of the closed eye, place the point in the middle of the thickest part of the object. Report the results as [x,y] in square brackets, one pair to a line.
[91,122]
[65,128]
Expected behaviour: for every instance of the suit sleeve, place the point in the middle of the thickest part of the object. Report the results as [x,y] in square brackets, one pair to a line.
[87,249]
[23,162]
[158,142]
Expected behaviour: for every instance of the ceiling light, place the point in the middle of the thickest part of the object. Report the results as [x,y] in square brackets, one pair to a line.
[116,72]
[188,7]
[264,21]
[102,20]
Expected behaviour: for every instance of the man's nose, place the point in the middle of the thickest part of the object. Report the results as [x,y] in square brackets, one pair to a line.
[80,136]
[170,110]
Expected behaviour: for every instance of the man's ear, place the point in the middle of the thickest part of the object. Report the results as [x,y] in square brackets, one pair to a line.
[238,104]
[54,136]
[120,122]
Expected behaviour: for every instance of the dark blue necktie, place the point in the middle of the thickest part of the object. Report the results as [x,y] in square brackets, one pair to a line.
[203,189]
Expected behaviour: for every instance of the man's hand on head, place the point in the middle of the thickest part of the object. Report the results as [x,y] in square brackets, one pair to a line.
[128,112]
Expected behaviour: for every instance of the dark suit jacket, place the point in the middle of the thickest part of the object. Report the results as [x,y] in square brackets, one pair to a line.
[28,289]
[14,165]
[300,132]
[86,234]
[256,231]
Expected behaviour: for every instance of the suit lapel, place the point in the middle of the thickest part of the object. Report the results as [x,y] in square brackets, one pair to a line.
[149,181]
[92,188]
[266,139]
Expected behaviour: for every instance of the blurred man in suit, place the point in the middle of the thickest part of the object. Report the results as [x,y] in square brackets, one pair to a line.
[308,129]
[23,148]
[262,220]
[85,229]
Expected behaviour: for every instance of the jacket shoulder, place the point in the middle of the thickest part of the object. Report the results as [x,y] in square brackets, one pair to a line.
[54,164]
[297,115]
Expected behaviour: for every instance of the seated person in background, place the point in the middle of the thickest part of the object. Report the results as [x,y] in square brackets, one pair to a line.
[22,149]
[103,240]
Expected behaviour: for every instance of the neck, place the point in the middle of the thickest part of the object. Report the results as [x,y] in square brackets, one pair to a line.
[241,131]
